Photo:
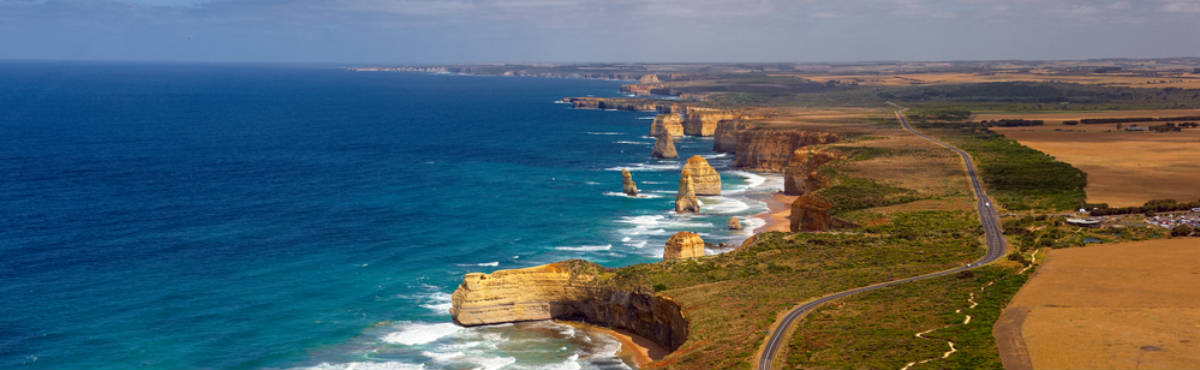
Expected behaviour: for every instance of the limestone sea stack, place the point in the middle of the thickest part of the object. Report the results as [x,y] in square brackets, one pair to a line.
[800,175]
[810,212]
[667,123]
[735,224]
[685,200]
[664,147]
[627,184]
[704,177]
[568,290]
[683,245]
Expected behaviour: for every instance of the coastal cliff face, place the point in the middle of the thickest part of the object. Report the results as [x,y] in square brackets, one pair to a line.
[664,147]
[685,199]
[770,149]
[703,121]
[636,105]
[800,176]
[670,123]
[705,179]
[571,290]
[810,212]
[683,245]
[725,137]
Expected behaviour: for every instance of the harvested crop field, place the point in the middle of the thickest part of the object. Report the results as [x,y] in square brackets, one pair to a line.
[1116,306]
[1123,168]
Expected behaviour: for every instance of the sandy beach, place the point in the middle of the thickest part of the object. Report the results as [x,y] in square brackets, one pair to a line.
[635,349]
[778,208]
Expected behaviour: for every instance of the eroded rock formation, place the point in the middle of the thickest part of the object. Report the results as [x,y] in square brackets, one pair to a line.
[703,121]
[664,147]
[627,184]
[770,149]
[705,178]
[735,224]
[810,212]
[667,123]
[725,136]
[685,199]
[800,176]
[628,104]
[568,290]
[683,245]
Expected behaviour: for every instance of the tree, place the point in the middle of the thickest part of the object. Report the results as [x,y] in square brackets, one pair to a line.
[1181,230]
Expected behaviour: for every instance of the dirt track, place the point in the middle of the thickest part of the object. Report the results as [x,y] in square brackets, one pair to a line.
[1118,306]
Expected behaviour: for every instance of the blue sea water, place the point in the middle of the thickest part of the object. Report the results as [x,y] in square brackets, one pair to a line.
[228,216]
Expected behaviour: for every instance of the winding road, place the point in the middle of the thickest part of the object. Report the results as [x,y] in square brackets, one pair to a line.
[991,229]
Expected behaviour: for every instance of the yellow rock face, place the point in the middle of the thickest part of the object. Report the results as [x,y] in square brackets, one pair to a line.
[810,212]
[800,176]
[770,149]
[568,290]
[705,178]
[668,123]
[703,121]
[735,224]
[664,147]
[683,245]
[685,199]
[627,184]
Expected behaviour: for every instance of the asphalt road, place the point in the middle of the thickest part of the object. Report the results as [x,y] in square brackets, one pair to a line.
[991,228]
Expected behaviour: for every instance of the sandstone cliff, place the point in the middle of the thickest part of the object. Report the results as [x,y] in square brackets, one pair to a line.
[703,121]
[685,199]
[810,212]
[725,136]
[664,147]
[667,123]
[627,184]
[705,178]
[800,176]
[571,290]
[735,224]
[649,79]
[683,245]
[770,149]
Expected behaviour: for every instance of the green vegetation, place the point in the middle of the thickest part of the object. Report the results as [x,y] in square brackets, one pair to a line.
[854,193]
[732,298]
[1033,232]
[1157,205]
[876,330]
[1017,176]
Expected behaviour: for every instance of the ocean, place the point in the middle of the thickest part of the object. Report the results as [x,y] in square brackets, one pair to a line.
[274,216]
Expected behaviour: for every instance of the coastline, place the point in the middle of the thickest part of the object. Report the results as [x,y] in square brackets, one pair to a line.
[778,210]
[635,349]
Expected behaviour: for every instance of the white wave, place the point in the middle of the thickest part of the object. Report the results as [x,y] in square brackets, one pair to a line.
[647,117]
[638,244]
[561,102]
[492,264]
[632,142]
[585,248]
[602,133]
[591,183]
[439,302]
[420,333]
[640,195]
[749,224]
[653,182]
[366,365]
[753,180]
[713,156]
[724,205]
[647,167]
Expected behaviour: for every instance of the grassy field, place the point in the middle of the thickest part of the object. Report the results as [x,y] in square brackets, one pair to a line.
[877,330]
[731,299]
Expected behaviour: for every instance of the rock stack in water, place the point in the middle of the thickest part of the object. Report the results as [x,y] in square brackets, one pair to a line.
[627,184]
[810,212]
[664,147]
[800,176]
[735,224]
[683,245]
[669,123]
[704,177]
[685,200]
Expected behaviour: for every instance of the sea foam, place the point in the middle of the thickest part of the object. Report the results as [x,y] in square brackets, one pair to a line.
[412,334]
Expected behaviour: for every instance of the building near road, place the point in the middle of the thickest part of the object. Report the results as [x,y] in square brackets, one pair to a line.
[1084,222]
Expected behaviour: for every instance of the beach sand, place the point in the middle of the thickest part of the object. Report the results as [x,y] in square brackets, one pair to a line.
[779,206]
[635,349]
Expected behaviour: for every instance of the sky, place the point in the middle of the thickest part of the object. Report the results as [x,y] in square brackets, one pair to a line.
[524,31]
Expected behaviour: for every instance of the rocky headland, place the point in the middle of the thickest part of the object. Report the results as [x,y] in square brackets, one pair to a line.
[703,121]
[800,176]
[573,290]
[626,104]
[770,149]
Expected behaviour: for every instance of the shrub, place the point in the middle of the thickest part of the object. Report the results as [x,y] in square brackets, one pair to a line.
[1181,230]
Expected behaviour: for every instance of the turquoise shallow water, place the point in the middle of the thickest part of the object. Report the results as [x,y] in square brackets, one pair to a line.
[223,216]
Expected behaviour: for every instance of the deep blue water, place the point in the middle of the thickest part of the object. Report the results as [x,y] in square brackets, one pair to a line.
[201,216]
